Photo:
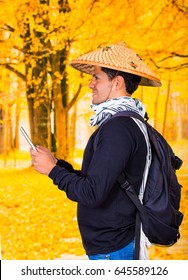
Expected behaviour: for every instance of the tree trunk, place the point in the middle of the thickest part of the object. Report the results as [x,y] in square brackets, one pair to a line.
[17,121]
[2,128]
[60,96]
[156,108]
[166,108]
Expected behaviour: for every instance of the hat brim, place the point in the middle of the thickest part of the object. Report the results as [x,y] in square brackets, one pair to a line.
[88,68]
[118,57]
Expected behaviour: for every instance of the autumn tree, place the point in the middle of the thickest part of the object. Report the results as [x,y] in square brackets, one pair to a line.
[46,31]
[45,72]
[45,44]
[40,37]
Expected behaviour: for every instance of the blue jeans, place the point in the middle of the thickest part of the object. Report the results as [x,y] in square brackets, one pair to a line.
[126,253]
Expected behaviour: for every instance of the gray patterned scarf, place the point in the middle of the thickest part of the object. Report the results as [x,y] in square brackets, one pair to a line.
[105,110]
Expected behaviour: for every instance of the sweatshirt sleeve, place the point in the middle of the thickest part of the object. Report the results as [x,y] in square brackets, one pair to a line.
[68,166]
[110,157]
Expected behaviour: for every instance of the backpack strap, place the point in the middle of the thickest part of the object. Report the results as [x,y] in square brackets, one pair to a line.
[130,114]
[128,188]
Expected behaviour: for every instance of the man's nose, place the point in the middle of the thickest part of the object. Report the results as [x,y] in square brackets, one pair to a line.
[91,84]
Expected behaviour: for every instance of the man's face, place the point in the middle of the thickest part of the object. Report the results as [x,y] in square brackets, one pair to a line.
[101,86]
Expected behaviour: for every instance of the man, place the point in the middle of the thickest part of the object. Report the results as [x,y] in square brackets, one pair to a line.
[106,216]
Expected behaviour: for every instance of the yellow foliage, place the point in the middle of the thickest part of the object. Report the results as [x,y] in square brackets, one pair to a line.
[39,222]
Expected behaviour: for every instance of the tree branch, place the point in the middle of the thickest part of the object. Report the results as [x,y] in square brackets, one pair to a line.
[175,68]
[179,55]
[173,54]
[12,69]
[74,98]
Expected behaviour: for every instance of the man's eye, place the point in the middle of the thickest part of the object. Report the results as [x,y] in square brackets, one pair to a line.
[95,77]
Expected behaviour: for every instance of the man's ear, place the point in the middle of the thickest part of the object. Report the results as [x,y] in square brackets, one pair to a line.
[119,82]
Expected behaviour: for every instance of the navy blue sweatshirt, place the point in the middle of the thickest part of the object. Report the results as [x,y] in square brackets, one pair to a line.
[106,216]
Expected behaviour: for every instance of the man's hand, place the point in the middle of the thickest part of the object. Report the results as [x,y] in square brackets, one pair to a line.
[43,160]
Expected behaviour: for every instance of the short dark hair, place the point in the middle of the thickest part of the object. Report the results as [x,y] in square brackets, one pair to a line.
[132,81]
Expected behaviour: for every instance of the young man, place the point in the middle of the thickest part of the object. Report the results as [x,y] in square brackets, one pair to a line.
[106,216]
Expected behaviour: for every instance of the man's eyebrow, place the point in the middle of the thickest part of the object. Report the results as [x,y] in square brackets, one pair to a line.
[94,75]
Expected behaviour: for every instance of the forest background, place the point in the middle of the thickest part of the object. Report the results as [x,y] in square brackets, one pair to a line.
[40,91]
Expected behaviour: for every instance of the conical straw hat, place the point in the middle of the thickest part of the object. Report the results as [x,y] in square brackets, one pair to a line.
[119,57]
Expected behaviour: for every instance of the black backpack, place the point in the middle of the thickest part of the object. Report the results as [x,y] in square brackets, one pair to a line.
[159,213]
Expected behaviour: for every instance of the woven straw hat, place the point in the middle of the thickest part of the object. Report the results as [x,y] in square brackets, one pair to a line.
[119,57]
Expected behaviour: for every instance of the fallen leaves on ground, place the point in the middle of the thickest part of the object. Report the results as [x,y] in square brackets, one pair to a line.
[38,222]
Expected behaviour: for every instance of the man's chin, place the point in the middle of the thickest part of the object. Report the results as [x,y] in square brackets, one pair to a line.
[96,102]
